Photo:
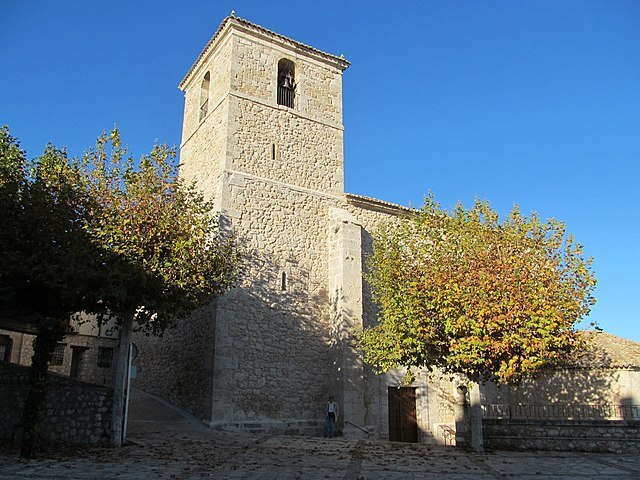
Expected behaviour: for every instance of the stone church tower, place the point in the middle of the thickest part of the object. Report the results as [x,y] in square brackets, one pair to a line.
[263,138]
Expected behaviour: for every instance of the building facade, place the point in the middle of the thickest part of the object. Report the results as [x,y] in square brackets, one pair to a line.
[263,138]
[86,353]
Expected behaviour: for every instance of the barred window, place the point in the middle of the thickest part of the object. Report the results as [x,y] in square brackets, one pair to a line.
[58,355]
[5,347]
[286,83]
[105,357]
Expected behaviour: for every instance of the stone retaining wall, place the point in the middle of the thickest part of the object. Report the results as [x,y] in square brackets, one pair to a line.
[605,436]
[77,412]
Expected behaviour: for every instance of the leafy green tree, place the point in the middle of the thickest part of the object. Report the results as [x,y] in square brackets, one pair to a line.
[466,293]
[47,260]
[106,235]
[168,255]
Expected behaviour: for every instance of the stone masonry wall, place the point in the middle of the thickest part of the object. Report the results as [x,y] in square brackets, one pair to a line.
[179,365]
[272,342]
[202,154]
[574,386]
[308,153]
[272,357]
[586,436]
[218,64]
[77,412]
[255,72]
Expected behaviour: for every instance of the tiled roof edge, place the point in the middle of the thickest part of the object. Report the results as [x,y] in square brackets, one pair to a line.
[376,204]
[341,61]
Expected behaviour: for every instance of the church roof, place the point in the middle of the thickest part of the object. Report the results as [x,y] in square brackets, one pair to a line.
[340,62]
[604,350]
[371,203]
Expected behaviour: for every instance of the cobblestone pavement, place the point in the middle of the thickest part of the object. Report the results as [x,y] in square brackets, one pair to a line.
[165,445]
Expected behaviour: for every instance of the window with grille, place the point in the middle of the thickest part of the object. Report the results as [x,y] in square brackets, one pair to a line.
[58,355]
[105,357]
[5,347]
[286,83]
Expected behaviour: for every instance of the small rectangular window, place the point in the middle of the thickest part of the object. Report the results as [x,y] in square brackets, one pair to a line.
[105,357]
[57,358]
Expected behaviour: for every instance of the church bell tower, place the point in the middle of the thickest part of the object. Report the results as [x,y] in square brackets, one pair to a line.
[263,138]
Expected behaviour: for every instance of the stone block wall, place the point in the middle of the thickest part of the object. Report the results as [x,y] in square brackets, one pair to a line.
[179,365]
[272,341]
[308,153]
[586,436]
[203,153]
[77,412]
[255,73]
[571,386]
[218,64]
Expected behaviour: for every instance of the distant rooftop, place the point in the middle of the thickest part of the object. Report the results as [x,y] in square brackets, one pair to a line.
[371,203]
[605,350]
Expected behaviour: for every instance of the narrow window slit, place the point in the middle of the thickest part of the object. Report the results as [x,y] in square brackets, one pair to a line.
[283,284]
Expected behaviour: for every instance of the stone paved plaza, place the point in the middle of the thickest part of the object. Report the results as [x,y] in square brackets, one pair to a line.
[164,444]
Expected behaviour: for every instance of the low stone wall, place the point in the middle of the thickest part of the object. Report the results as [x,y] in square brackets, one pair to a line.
[77,412]
[612,436]
[294,427]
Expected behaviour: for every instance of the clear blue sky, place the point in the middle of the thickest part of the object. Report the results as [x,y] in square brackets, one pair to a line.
[535,103]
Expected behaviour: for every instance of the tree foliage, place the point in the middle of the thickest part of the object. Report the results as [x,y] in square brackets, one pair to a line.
[106,235]
[164,252]
[466,293]
[47,259]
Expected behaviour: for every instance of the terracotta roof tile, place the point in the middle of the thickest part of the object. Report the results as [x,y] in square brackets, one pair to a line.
[377,204]
[604,350]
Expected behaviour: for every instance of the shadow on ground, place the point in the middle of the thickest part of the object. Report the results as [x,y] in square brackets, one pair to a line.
[166,444]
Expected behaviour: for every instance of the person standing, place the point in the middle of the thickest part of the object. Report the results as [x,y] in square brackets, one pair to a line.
[331,416]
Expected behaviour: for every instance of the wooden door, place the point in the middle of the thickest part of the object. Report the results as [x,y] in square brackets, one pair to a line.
[403,425]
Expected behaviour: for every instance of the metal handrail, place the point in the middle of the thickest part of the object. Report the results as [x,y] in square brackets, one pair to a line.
[353,424]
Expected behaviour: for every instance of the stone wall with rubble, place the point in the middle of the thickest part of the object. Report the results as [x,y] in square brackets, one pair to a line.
[254,75]
[218,64]
[77,412]
[272,338]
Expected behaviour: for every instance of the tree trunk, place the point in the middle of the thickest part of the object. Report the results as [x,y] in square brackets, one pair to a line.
[36,403]
[122,361]
[477,436]
[461,416]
